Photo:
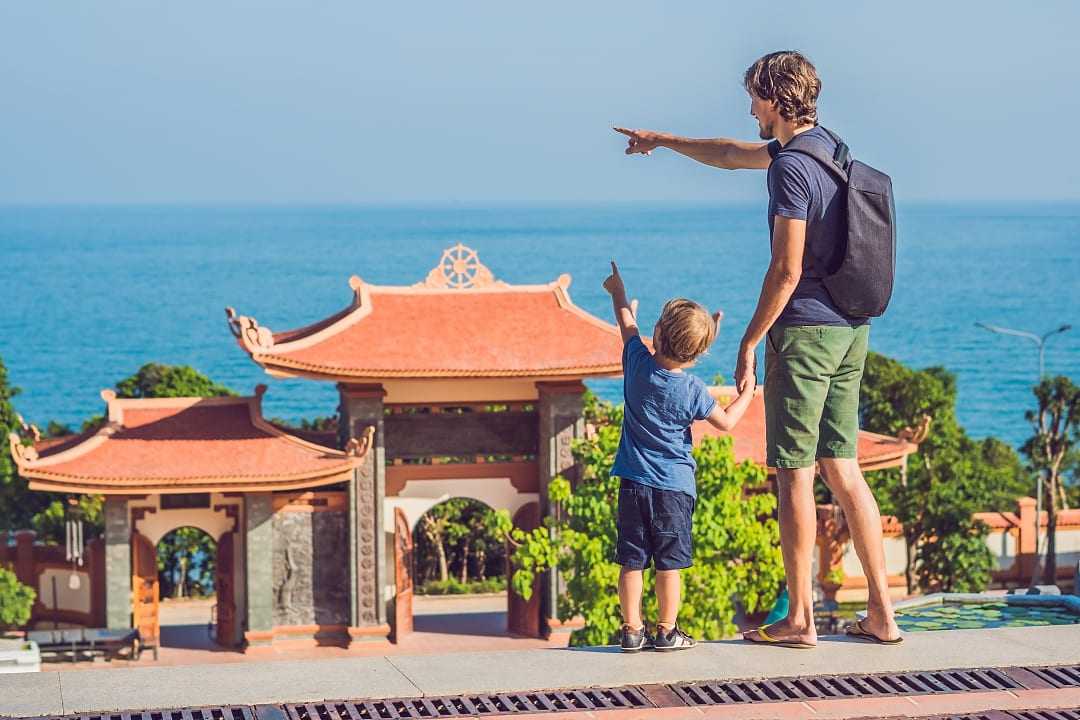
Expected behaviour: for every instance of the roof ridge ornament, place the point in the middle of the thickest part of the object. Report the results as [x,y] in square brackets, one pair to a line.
[459,268]
[22,454]
[359,447]
[254,337]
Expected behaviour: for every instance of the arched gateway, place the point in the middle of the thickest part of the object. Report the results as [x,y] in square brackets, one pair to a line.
[474,388]
[217,465]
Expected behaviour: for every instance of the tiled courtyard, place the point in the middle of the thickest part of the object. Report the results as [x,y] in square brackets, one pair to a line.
[442,625]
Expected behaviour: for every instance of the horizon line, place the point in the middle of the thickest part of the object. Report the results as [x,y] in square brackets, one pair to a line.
[507,204]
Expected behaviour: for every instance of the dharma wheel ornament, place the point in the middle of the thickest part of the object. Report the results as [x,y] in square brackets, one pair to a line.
[459,268]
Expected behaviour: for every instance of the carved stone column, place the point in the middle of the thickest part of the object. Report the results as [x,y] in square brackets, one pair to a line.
[362,407]
[117,563]
[560,412]
[259,568]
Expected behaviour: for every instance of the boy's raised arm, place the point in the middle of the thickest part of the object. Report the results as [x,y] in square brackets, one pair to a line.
[625,315]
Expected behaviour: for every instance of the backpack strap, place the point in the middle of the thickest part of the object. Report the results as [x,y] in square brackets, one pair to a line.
[838,164]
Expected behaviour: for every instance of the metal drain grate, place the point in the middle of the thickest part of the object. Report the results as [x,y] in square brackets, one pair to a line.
[843,686]
[1061,676]
[223,712]
[471,705]
[1073,714]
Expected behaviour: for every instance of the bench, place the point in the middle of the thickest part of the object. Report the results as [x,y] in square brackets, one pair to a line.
[90,641]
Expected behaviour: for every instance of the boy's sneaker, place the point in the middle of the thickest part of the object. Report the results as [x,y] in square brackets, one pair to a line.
[631,640]
[676,639]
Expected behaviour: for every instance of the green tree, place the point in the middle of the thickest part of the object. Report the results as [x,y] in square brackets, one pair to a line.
[49,523]
[457,536]
[16,600]
[55,429]
[1057,428]
[950,478]
[154,380]
[18,505]
[736,552]
[186,545]
[186,563]
[433,535]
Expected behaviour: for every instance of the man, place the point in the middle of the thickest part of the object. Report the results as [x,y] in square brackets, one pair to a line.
[814,353]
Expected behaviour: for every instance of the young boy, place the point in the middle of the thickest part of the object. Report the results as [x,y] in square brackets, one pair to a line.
[657,492]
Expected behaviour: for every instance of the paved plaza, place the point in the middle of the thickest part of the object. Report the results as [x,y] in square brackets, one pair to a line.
[403,675]
[443,624]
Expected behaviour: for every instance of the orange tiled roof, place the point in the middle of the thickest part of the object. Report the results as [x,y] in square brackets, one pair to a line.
[445,327]
[875,451]
[171,445]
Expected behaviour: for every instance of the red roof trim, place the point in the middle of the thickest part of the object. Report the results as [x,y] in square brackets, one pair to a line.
[270,349]
[327,465]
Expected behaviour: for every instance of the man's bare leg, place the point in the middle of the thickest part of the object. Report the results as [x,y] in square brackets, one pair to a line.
[630,582]
[798,527]
[848,486]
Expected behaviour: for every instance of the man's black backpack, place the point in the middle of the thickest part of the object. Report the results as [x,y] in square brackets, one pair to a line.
[862,285]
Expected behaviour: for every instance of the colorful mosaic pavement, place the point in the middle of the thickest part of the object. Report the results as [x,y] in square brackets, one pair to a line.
[972,616]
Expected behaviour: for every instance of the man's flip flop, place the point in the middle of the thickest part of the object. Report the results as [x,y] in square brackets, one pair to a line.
[856,630]
[769,640]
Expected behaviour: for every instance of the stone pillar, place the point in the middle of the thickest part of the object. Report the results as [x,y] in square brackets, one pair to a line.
[362,407]
[24,558]
[117,563]
[560,411]
[259,568]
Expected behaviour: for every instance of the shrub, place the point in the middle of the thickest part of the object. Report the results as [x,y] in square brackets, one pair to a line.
[16,600]
[736,540]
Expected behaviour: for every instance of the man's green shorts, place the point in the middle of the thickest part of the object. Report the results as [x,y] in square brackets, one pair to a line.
[812,379]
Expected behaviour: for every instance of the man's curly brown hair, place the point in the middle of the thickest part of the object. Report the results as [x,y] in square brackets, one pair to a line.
[788,79]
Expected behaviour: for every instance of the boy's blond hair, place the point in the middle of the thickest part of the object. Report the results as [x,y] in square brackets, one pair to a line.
[684,331]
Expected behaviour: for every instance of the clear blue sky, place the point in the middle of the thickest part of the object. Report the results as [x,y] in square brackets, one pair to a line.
[505,102]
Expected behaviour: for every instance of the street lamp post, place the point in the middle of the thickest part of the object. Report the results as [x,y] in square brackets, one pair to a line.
[1040,341]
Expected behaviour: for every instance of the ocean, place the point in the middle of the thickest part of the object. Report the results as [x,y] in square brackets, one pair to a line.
[92,293]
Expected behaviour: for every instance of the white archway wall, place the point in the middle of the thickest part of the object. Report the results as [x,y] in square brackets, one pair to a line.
[419,496]
[155,523]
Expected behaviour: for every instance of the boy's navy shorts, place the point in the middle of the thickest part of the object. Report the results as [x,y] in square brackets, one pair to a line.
[654,524]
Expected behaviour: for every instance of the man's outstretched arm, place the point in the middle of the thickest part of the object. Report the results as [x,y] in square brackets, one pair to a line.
[718,152]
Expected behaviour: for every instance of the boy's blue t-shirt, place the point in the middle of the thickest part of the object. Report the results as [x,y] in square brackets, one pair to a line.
[655,448]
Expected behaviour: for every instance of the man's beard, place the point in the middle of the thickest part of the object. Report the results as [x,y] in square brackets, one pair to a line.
[765,132]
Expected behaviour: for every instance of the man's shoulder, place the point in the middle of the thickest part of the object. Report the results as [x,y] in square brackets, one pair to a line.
[793,161]
[793,155]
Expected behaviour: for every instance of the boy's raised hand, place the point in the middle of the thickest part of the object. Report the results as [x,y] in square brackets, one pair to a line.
[614,284]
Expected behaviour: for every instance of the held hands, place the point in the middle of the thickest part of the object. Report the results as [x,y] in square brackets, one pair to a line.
[641,141]
[746,369]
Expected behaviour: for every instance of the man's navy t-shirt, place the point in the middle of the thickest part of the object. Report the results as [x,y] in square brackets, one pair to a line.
[659,407]
[800,188]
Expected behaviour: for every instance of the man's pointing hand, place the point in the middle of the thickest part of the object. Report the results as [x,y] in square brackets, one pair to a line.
[641,141]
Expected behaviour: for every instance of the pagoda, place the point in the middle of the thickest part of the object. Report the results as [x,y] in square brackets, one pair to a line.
[474,388]
[214,464]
